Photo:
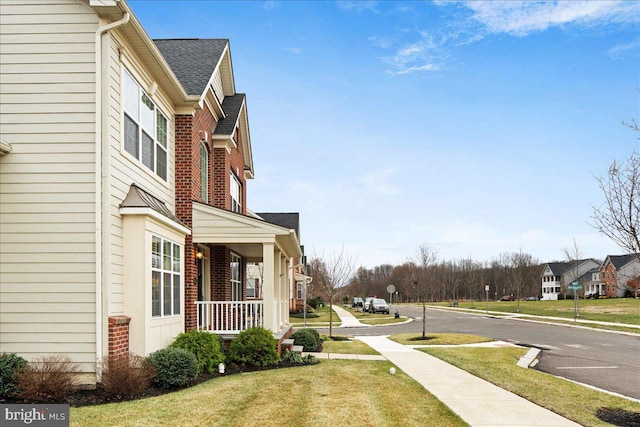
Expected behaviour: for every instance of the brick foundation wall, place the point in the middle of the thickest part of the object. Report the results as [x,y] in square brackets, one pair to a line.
[119,336]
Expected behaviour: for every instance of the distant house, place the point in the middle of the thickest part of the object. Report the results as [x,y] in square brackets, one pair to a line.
[299,278]
[619,274]
[594,287]
[557,276]
[123,168]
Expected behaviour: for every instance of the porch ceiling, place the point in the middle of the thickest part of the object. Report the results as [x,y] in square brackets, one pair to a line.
[241,233]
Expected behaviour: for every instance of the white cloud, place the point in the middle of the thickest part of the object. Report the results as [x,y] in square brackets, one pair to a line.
[378,183]
[626,50]
[270,5]
[423,55]
[358,6]
[294,50]
[520,18]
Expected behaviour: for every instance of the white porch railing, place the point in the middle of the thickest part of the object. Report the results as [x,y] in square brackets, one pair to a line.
[229,317]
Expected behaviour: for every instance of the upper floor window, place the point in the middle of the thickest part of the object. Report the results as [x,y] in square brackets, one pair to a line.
[145,128]
[235,192]
[204,172]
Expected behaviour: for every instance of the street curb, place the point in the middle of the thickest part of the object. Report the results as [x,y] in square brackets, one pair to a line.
[529,359]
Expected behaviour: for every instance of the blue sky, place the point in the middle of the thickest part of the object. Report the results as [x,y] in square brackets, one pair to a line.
[475,127]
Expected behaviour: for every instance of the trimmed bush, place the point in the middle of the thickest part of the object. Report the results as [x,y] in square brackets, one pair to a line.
[254,347]
[310,359]
[205,346]
[175,367]
[308,338]
[291,357]
[9,365]
[126,376]
[47,379]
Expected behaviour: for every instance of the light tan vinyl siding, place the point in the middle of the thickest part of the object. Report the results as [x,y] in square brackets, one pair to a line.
[47,218]
[124,170]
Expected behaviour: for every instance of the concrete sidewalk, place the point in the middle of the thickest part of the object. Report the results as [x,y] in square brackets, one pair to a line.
[347,319]
[476,401]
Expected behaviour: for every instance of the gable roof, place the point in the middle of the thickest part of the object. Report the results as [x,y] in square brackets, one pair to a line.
[232,105]
[560,268]
[193,60]
[619,261]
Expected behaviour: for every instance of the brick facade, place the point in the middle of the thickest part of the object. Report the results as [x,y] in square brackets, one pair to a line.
[119,336]
[189,132]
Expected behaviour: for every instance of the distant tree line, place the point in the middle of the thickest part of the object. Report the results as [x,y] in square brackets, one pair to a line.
[429,279]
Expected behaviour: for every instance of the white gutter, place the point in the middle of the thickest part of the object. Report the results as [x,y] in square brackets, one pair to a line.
[98,177]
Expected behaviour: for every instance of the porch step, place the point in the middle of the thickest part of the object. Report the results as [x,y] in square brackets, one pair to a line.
[287,343]
[297,349]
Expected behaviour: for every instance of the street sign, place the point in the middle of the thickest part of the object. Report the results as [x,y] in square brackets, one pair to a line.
[391,289]
[575,286]
[486,288]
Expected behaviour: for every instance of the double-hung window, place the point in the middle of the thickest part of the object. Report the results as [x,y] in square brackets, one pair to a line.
[166,277]
[235,192]
[145,128]
[236,277]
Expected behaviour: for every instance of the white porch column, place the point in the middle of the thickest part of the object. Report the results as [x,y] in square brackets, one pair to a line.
[278,287]
[268,287]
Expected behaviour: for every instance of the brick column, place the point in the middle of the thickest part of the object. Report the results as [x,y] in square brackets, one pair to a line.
[119,336]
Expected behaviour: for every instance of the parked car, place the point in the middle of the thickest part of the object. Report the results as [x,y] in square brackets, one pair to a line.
[532,298]
[507,298]
[378,305]
[367,302]
[357,302]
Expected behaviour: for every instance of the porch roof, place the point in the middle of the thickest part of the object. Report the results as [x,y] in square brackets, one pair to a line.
[241,233]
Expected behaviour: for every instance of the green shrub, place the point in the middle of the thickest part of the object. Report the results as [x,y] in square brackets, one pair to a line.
[291,357]
[254,347]
[310,359]
[308,338]
[175,367]
[205,346]
[9,364]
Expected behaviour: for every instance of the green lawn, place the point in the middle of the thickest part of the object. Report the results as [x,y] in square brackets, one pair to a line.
[616,310]
[321,318]
[345,345]
[334,392]
[498,366]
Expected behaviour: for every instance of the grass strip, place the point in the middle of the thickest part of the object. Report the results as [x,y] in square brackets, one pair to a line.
[498,366]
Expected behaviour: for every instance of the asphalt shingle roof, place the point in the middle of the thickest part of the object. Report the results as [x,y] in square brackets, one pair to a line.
[290,220]
[231,106]
[621,260]
[192,60]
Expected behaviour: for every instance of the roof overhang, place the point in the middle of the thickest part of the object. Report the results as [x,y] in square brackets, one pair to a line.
[145,49]
[241,233]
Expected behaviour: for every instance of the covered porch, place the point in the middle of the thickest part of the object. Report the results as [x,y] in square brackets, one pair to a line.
[225,243]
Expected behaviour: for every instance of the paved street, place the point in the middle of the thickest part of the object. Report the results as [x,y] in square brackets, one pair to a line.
[601,359]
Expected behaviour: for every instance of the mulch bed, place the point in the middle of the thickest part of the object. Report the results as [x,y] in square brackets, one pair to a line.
[619,417]
[97,396]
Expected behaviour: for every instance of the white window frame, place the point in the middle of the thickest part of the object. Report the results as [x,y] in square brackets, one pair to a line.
[166,277]
[151,126]
[235,193]
[235,279]
[204,172]
[252,287]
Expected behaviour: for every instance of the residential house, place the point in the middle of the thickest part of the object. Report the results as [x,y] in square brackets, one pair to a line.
[299,279]
[619,274]
[557,276]
[594,287]
[122,188]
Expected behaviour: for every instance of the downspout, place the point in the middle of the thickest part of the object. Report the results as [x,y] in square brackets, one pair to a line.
[98,178]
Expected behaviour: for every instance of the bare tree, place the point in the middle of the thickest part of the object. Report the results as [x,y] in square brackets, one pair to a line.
[426,259]
[521,265]
[619,217]
[332,275]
